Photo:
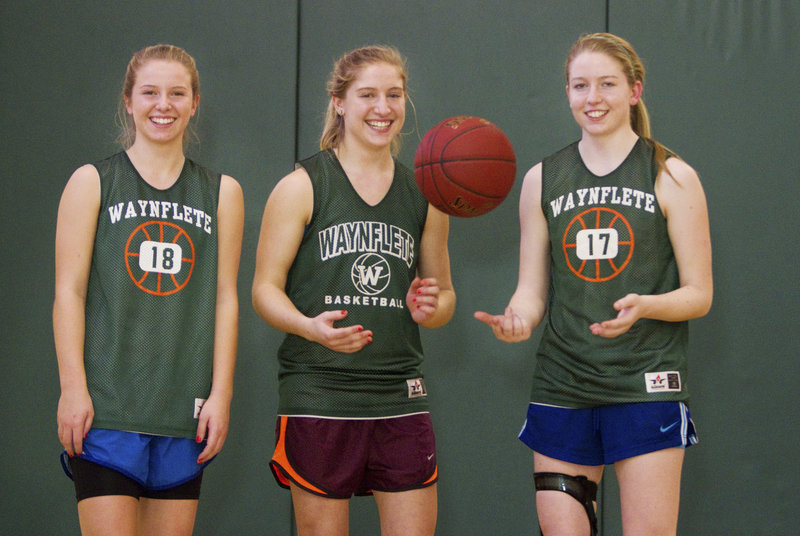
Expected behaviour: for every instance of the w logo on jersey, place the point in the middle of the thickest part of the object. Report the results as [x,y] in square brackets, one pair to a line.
[370,274]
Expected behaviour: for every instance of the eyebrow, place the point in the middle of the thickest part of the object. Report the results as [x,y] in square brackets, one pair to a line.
[179,86]
[374,88]
[602,77]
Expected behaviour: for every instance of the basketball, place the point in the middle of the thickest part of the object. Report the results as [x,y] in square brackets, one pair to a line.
[465,166]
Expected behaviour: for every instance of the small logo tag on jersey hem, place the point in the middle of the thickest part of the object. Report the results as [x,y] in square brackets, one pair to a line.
[663,382]
[198,405]
[416,388]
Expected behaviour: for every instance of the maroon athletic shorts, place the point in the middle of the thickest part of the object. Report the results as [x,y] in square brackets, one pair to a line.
[339,458]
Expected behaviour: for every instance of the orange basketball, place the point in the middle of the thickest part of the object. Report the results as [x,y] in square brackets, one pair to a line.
[465,166]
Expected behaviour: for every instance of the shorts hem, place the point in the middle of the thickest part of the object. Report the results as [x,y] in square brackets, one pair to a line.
[285,480]
[560,454]
[65,466]
[312,415]
[433,479]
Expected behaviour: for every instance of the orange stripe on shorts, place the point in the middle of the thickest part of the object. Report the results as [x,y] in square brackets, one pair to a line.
[286,472]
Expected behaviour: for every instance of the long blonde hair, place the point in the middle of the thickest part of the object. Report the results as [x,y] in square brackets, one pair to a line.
[345,70]
[621,50]
[155,52]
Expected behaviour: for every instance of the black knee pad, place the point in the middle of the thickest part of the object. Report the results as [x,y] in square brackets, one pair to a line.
[579,488]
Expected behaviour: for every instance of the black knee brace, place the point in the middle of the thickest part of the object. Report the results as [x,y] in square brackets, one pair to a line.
[579,488]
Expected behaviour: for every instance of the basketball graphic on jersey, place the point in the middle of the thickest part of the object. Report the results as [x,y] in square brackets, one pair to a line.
[370,274]
[159,257]
[598,244]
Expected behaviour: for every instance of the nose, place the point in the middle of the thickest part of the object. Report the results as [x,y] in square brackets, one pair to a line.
[163,102]
[594,93]
[381,105]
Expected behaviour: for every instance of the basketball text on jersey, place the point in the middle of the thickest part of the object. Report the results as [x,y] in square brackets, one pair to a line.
[603,195]
[374,301]
[370,272]
[166,210]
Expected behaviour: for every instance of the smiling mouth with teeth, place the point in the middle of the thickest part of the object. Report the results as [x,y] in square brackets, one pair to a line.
[596,114]
[162,120]
[379,124]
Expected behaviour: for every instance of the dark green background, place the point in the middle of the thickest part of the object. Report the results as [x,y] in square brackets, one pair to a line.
[722,90]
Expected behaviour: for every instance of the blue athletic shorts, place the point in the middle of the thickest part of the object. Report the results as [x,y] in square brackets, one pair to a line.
[154,462]
[607,434]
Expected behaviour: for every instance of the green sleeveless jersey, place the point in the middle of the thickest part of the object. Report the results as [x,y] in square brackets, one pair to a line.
[150,305]
[362,259]
[608,238]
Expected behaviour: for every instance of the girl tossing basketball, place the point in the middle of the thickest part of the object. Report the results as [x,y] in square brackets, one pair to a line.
[349,226]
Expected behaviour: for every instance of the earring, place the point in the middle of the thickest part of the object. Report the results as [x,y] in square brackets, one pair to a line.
[340,111]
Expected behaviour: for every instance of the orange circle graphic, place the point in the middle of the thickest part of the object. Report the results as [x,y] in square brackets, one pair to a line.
[160,282]
[596,270]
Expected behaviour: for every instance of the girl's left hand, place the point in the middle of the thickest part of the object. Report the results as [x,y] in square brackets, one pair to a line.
[629,309]
[213,426]
[423,298]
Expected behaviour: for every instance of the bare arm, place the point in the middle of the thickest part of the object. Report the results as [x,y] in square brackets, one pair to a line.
[75,232]
[215,415]
[431,297]
[684,205]
[526,308]
[286,214]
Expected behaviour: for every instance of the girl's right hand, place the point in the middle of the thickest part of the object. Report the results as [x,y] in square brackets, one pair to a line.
[347,340]
[508,327]
[75,416]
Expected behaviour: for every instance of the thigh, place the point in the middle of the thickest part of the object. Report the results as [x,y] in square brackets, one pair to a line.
[108,515]
[558,512]
[649,488]
[189,490]
[408,513]
[568,434]
[326,457]
[172,461]
[95,480]
[319,516]
[402,455]
[630,430]
[158,517]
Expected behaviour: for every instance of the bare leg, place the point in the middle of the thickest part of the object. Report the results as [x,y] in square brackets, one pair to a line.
[319,516]
[160,517]
[108,515]
[560,514]
[408,513]
[650,488]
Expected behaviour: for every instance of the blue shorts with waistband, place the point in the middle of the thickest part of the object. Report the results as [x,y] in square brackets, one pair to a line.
[154,462]
[607,434]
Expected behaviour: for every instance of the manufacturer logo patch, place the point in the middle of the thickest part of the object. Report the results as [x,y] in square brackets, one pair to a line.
[416,388]
[198,405]
[662,382]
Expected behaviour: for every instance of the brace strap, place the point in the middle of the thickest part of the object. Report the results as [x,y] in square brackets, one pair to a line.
[579,488]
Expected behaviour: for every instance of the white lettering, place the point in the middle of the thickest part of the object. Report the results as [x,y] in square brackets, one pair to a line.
[366,237]
[366,301]
[603,195]
[115,212]
[165,210]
